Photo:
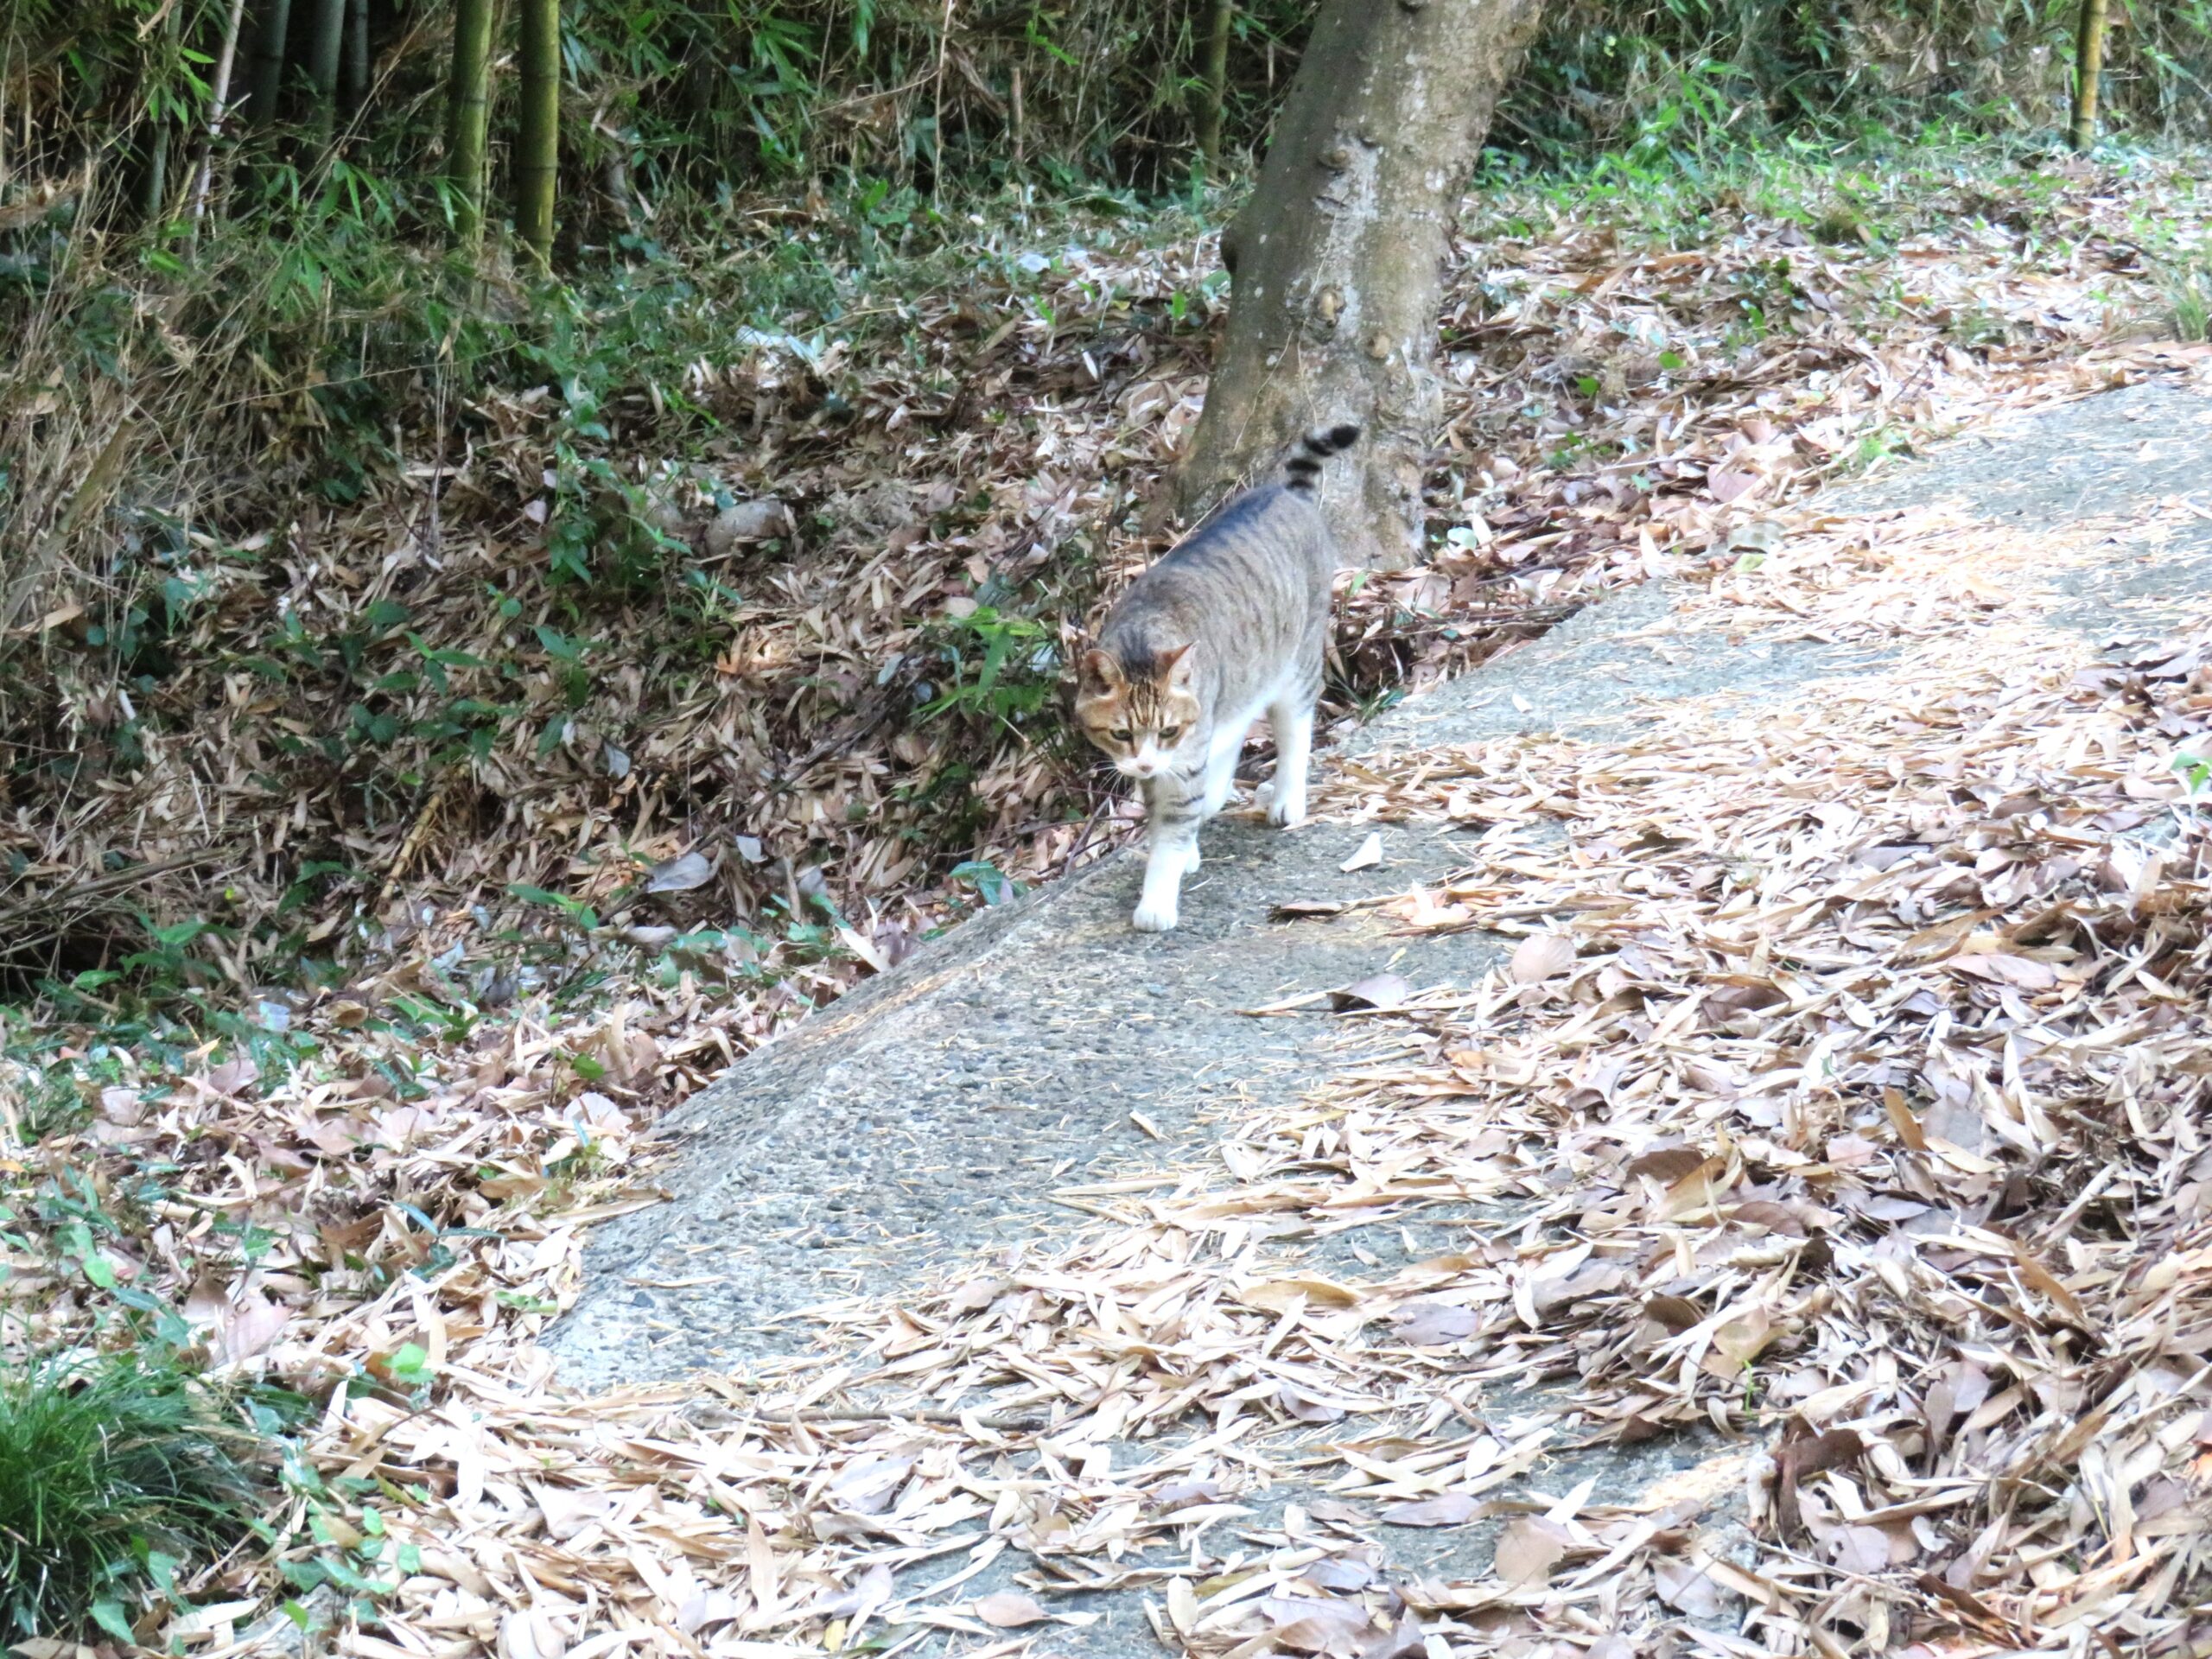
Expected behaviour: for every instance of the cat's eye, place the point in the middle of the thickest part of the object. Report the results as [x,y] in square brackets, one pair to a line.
[1169,734]
[1122,734]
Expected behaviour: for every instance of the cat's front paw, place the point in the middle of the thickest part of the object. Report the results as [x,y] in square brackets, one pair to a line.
[1286,811]
[1153,917]
[1191,860]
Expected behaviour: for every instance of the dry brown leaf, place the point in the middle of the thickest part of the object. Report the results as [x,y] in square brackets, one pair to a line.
[1445,1510]
[1527,1549]
[1541,956]
[1010,1610]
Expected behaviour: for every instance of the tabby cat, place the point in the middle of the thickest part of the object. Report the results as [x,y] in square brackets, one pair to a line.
[1230,625]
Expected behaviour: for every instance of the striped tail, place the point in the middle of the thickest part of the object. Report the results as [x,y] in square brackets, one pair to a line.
[1304,463]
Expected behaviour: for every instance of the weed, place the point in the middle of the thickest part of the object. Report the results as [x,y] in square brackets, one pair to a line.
[1000,667]
[2188,301]
[115,1470]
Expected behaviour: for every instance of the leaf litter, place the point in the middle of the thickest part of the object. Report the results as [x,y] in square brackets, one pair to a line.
[1872,1127]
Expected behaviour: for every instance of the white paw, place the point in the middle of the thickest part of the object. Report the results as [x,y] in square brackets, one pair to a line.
[1154,917]
[1192,861]
[1288,812]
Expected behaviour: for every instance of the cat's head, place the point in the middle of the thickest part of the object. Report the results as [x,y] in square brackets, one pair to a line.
[1144,715]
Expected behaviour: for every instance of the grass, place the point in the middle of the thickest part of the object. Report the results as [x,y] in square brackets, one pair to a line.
[2188,299]
[116,1471]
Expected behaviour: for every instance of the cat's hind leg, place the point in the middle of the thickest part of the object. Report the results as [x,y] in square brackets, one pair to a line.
[1221,774]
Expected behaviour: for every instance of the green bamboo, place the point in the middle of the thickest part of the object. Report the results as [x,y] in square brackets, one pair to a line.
[357,54]
[2089,66]
[468,104]
[326,51]
[1217,86]
[154,203]
[269,43]
[537,146]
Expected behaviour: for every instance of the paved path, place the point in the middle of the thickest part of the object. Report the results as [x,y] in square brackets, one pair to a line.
[958,1107]
[936,1112]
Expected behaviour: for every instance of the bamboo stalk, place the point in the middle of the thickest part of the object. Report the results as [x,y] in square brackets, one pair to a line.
[2089,66]
[468,104]
[357,54]
[1216,84]
[326,51]
[538,148]
[224,62]
[269,43]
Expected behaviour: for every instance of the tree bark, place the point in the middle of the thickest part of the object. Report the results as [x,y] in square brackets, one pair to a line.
[1338,260]
[468,106]
[1215,90]
[537,142]
[2088,66]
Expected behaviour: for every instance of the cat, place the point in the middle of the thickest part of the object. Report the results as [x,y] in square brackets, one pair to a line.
[1232,624]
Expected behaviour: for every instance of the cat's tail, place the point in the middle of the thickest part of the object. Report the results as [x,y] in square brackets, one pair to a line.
[1316,447]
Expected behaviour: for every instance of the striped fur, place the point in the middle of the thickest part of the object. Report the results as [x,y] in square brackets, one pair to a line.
[1304,466]
[1230,625]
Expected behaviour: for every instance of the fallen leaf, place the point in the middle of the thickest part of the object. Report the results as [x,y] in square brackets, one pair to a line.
[1369,854]
[1724,487]
[1527,1549]
[1010,1610]
[1428,1324]
[248,1326]
[1445,1510]
[680,874]
[1541,956]
[1381,992]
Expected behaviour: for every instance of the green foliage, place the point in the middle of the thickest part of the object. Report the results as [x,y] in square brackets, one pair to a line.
[1679,77]
[115,1470]
[1000,668]
[2189,296]
[992,884]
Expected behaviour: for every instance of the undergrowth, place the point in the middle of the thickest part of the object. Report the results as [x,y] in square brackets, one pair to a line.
[116,1472]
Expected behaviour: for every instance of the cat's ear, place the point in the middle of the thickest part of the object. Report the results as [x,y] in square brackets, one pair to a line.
[1175,667]
[1100,672]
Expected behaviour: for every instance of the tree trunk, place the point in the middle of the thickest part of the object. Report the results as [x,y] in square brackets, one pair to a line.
[1216,88]
[1338,259]
[468,108]
[2089,66]
[269,45]
[538,147]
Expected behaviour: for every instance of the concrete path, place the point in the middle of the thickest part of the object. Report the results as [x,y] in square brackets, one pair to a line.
[947,1108]
[960,1106]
